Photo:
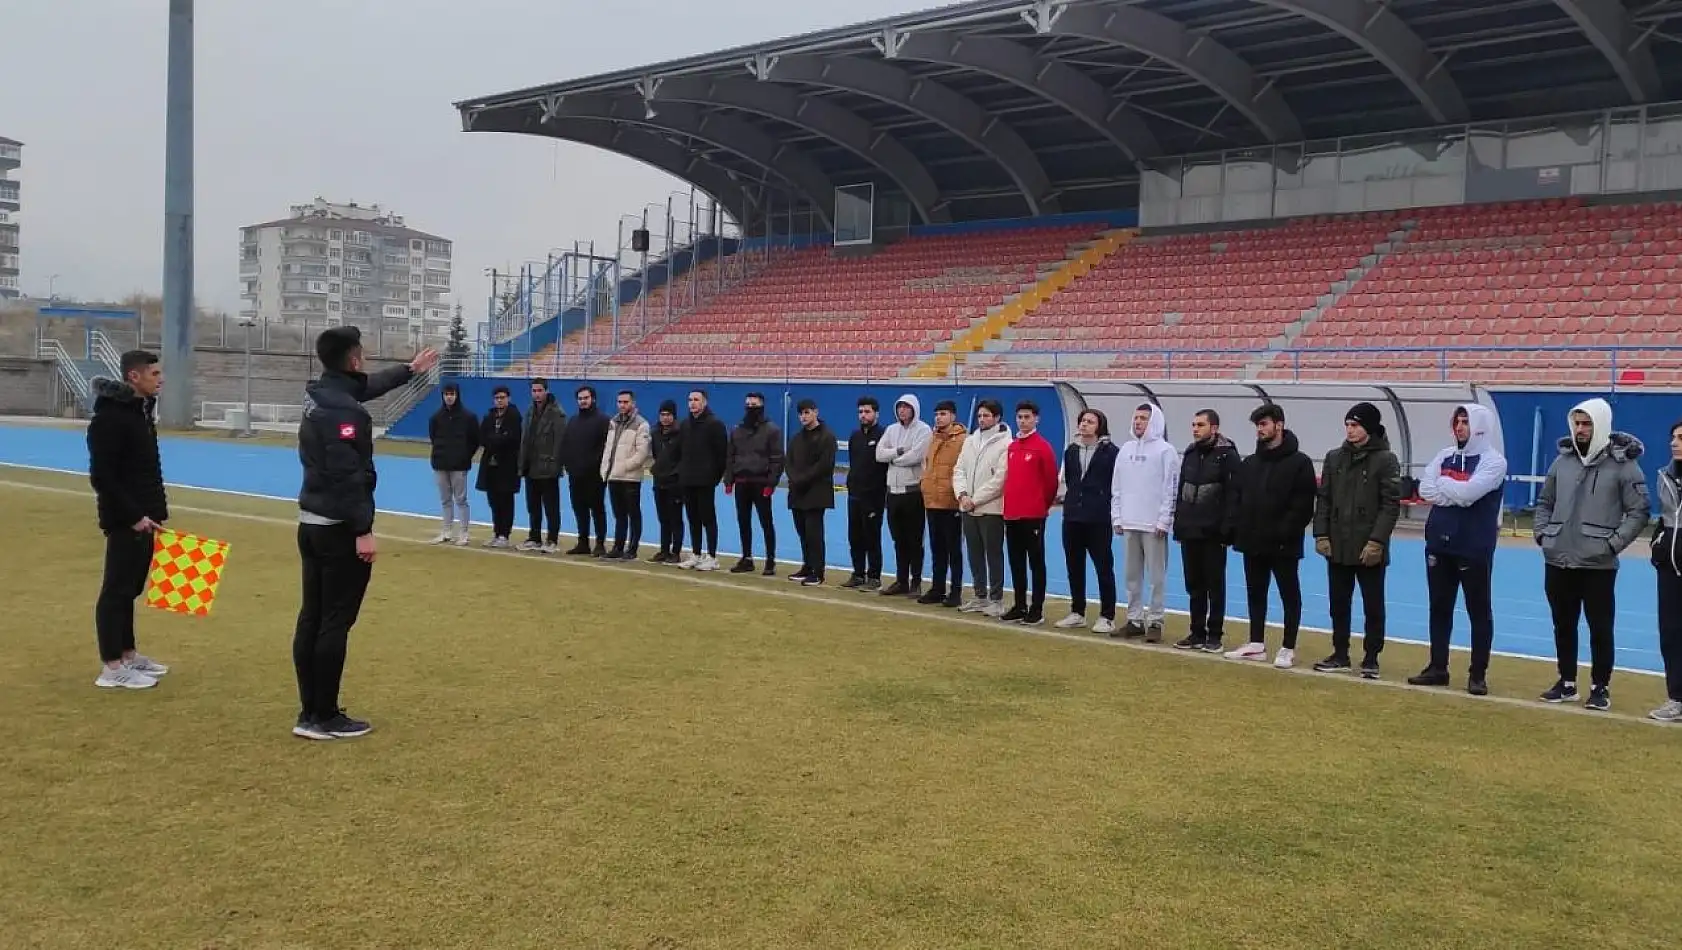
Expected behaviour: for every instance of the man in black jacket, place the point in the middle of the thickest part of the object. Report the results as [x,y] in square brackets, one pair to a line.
[703,442]
[128,483]
[336,522]
[540,466]
[1275,504]
[867,498]
[1204,512]
[454,432]
[499,465]
[811,490]
[753,465]
[581,454]
[668,493]
[1360,501]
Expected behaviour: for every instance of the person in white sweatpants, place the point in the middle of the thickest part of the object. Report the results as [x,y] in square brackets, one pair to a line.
[1147,476]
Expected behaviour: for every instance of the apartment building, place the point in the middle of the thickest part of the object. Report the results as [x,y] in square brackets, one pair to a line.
[328,263]
[11,201]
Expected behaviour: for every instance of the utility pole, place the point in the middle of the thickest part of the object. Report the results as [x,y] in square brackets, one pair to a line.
[177,403]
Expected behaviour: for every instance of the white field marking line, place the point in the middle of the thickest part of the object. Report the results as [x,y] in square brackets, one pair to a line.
[841,569]
[864,603]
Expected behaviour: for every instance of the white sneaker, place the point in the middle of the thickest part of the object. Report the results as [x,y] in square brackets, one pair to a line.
[1071,622]
[1284,659]
[123,677]
[462,540]
[995,609]
[1104,625]
[708,563]
[443,537]
[1249,651]
[529,545]
[690,562]
[550,549]
[146,666]
[974,605]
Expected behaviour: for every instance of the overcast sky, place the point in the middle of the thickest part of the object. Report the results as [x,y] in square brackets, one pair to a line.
[346,99]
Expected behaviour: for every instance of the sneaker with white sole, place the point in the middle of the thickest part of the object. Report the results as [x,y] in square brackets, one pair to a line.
[529,545]
[550,548]
[462,540]
[974,605]
[1071,622]
[146,666]
[1249,651]
[307,728]
[994,609]
[1669,712]
[690,562]
[442,537]
[123,678]
[1104,626]
[1284,659]
[708,563]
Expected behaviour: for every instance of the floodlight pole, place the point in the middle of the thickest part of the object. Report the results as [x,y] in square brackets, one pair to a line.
[176,407]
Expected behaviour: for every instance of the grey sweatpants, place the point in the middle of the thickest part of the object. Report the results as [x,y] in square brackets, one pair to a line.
[984,537]
[452,498]
[1147,552]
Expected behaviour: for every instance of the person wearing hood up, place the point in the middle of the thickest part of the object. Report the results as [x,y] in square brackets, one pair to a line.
[582,446]
[903,448]
[753,465]
[1147,480]
[1593,504]
[127,474]
[1275,504]
[1463,484]
[336,522]
[668,493]
[540,466]
[1205,509]
[811,490]
[979,482]
[1359,503]
[454,432]
[499,464]
[703,442]
[940,503]
[1030,491]
[623,462]
[1667,562]
[1088,476]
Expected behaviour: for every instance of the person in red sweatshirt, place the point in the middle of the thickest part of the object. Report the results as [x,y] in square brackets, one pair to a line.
[1030,488]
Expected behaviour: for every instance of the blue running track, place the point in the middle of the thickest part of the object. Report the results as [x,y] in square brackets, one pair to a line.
[1523,626]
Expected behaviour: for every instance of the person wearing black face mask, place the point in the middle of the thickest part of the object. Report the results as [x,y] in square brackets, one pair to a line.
[753,464]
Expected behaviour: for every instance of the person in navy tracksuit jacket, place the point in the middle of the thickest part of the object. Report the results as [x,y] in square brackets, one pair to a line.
[1088,468]
[1464,484]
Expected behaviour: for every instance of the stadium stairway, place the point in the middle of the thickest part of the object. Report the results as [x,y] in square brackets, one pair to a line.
[1081,260]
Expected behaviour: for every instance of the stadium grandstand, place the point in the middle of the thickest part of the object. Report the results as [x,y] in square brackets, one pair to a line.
[1174,189]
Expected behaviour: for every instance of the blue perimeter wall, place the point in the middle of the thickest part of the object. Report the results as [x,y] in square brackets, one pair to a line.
[1533,422]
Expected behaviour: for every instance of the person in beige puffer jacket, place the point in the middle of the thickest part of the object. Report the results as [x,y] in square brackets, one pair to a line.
[978,480]
[624,459]
[940,507]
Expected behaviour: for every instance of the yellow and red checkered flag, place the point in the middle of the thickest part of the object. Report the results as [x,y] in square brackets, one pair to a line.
[185,572]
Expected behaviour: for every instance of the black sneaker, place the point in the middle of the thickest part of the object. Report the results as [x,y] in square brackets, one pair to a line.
[308,729]
[812,580]
[660,558]
[617,554]
[1033,619]
[744,566]
[872,584]
[1132,631]
[1477,687]
[1369,668]
[896,589]
[798,576]
[1153,633]
[1560,693]
[915,589]
[931,597]
[581,548]
[770,569]
[1213,645]
[953,601]
[629,555]
[1333,664]
[854,582]
[1192,642]
[1014,615]
[342,726]
[1429,677]
[1600,699]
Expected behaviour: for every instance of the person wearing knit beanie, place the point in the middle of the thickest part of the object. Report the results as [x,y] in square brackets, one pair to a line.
[1360,500]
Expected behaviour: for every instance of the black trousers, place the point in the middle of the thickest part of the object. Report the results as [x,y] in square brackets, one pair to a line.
[1282,570]
[808,524]
[589,506]
[1446,576]
[864,534]
[750,498]
[1204,564]
[1341,581]
[702,506]
[1095,542]
[502,512]
[668,506]
[946,549]
[128,559]
[905,526]
[543,497]
[1591,595]
[627,513]
[335,580]
[1025,545]
[1670,631]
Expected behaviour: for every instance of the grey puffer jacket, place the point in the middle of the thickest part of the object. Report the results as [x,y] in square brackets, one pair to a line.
[1594,503]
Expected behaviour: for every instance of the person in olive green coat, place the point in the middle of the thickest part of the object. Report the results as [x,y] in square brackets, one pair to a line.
[1359,501]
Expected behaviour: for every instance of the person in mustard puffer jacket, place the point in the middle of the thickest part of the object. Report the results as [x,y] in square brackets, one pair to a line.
[940,506]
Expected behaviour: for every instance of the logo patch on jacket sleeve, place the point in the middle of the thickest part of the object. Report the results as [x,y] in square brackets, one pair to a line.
[347,431]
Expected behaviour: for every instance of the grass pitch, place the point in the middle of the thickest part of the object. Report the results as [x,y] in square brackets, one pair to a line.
[613,756]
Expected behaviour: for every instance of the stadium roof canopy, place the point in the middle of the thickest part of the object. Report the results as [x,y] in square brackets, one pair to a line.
[1002,108]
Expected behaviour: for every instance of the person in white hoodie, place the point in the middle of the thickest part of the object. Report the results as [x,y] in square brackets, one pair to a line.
[1142,493]
[979,482]
[902,448]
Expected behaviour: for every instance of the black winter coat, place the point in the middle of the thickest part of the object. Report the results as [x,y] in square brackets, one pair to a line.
[540,444]
[811,469]
[123,460]
[583,443]
[499,464]
[703,443]
[455,438]
[865,475]
[1360,498]
[336,445]
[663,442]
[1206,508]
[1086,495]
[755,455]
[1275,500]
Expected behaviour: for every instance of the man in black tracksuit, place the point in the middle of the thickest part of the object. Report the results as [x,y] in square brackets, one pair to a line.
[1205,512]
[668,493]
[703,442]
[1275,505]
[336,522]
[581,455]
[753,465]
[867,498]
[128,483]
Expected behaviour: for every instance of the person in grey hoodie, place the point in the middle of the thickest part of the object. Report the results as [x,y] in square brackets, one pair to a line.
[902,448]
[1593,505]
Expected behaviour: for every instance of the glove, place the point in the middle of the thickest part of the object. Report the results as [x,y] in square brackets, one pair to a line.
[769,491]
[729,488]
[1322,546]
[1372,554]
